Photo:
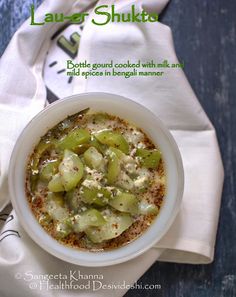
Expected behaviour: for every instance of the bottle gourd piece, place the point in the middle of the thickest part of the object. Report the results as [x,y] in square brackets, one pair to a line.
[98,197]
[113,168]
[48,170]
[116,223]
[71,170]
[86,219]
[42,147]
[55,185]
[125,202]
[93,158]
[149,158]
[113,139]
[73,139]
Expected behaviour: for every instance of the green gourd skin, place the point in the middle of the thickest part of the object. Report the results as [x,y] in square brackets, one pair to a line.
[117,152]
[149,158]
[80,149]
[99,146]
[49,170]
[113,169]
[125,202]
[73,139]
[113,139]
[98,197]
[86,219]
[40,149]
[114,226]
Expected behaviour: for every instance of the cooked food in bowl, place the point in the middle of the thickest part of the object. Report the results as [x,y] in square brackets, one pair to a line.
[95,181]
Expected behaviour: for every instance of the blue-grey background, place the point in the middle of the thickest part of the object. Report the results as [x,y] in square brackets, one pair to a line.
[204,33]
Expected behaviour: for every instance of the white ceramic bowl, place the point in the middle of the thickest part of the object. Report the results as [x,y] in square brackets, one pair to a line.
[124,108]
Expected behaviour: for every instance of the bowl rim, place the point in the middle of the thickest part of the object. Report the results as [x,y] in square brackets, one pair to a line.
[48,247]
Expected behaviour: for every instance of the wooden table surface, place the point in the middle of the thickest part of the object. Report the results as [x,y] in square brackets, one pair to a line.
[205,39]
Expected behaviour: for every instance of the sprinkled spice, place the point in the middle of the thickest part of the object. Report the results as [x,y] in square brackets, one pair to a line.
[95,182]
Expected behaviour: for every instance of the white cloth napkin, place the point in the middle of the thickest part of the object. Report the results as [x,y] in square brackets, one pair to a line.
[191,239]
